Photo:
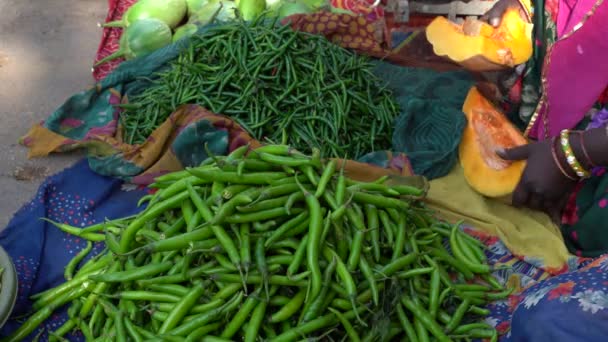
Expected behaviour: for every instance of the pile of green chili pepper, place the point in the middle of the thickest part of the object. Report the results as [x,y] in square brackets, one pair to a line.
[275,245]
[273,81]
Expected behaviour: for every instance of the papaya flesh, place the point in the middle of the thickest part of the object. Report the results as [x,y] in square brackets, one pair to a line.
[477,45]
[488,130]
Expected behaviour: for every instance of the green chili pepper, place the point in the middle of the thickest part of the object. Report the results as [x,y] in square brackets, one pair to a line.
[200,332]
[255,178]
[455,244]
[435,288]
[311,311]
[373,224]
[35,320]
[245,247]
[387,226]
[136,274]
[286,227]
[207,317]
[153,211]
[69,269]
[253,326]
[350,330]
[182,308]
[241,316]
[425,318]
[328,173]
[313,243]
[400,239]
[369,275]
[290,308]
[260,260]
[406,324]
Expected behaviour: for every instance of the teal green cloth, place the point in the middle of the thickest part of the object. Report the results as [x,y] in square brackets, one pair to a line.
[431,123]
[90,113]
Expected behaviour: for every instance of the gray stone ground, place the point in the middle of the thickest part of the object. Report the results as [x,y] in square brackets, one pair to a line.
[46,52]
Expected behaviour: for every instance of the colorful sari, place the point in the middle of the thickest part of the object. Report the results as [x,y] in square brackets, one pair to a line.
[562,87]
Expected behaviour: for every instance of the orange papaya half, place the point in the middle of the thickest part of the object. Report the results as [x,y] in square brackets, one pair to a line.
[481,47]
[487,131]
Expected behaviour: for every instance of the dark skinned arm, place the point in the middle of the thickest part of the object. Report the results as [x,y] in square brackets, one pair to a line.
[543,186]
[596,145]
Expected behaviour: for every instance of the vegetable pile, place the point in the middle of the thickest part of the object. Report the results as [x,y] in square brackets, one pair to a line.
[160,22]
[273,81]
[148,26]
[274,245]
[141,38]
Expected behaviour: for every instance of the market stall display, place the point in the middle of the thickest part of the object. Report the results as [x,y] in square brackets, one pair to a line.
[427,131]
[310,247]
[276,241]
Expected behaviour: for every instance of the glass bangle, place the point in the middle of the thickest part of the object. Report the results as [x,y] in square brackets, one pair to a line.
[570,157]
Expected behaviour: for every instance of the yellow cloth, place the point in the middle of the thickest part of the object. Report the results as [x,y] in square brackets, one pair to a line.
[526,233]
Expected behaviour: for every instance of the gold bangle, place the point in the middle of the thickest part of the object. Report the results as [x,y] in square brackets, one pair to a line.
[570,157]
[584,149]
[556,160]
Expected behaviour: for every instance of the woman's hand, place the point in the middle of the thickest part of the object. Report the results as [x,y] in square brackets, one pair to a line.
[494,15]
[543,186]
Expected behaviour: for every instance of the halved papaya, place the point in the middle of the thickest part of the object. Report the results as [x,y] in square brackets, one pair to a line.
[481,47]
[488,130]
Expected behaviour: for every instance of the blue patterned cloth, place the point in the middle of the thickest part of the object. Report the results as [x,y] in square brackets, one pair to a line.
[570,307]
[76,196]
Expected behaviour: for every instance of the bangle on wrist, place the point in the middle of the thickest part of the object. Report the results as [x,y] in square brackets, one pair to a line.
[557,161]
[588,160]
[575,165]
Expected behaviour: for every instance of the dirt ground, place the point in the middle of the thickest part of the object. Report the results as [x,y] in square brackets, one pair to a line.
[46,52]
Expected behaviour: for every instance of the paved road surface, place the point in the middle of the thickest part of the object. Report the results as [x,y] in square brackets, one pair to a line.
[46,51]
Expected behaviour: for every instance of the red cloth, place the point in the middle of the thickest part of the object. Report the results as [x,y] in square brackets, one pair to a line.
[110,37]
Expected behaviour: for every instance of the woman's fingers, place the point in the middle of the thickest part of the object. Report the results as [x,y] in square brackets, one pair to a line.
[516,153]
[494,15]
